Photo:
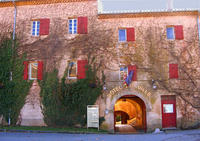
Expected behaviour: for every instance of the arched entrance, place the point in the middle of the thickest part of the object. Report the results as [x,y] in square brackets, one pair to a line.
[129,115]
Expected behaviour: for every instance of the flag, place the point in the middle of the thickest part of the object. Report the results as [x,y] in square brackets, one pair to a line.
[129,78]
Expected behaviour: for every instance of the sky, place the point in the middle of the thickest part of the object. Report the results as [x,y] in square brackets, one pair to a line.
[116,5]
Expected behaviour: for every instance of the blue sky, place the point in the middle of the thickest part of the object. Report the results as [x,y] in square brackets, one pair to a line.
[112,5]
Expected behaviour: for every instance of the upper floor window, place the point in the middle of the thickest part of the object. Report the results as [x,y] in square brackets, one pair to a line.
[40,27]
[78,25]
[73,26]
[126,34]
[35,28]
[170,32]
[175,32]
[123,73]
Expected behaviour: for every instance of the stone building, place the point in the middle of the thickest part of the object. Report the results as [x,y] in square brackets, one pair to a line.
[157,50]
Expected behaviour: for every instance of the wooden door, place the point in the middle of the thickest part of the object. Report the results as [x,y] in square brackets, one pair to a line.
[168,103]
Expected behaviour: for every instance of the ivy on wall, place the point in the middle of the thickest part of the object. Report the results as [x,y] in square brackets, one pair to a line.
[13,89]
[65,104]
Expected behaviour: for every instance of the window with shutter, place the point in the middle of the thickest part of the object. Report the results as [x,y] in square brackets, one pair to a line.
[78,25]
[127,34]
[40,27]
[33,70]
[82,64]
[175,32]
[134,68]
[173,70]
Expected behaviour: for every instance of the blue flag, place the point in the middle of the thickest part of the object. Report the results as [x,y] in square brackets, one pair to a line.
[129,78]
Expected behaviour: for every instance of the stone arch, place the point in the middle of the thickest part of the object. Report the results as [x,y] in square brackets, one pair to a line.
[127,92]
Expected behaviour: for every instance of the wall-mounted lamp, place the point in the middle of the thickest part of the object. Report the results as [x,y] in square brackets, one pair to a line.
[154,84]
[106,111]
[104,86]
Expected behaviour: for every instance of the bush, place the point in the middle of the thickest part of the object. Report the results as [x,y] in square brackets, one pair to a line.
[65,104]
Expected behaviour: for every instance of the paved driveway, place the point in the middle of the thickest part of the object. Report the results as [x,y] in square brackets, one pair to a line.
[190,135]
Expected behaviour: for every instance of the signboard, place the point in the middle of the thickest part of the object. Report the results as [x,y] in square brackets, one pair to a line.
[93,116]
[168,108]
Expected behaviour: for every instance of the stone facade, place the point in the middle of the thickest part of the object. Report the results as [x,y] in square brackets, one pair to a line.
[47,47]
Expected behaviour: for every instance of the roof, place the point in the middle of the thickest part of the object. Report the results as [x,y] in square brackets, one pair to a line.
[8,3]
[140,6]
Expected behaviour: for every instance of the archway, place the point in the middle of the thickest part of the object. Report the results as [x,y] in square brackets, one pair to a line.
[129,114]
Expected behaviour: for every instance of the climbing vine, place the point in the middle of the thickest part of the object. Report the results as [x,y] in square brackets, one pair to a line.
[13,89]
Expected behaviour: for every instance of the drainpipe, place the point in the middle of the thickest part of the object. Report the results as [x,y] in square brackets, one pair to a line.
[198,25]
[15,14]
[13,55]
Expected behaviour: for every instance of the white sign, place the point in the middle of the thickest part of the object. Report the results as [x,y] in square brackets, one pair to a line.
[93,116]
[168,108]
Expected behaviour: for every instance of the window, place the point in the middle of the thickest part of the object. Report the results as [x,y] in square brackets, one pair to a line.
[122,35]
[123,73]
[175,32]
[126,34]
[33,70]
[40,27]
[170,32]
[78,25]
[173,70]
[72,71]
[35,28]
[73,26]
[77,69]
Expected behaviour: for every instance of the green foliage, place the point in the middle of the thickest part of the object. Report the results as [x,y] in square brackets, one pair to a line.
[12,92]
[65,104]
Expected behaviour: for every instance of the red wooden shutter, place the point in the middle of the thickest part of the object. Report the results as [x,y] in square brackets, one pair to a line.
[40,70]
[82,69]
[179,32]
[82,25]
[25,70]
[173,70]
[130,34]
[44,26]
[134,68]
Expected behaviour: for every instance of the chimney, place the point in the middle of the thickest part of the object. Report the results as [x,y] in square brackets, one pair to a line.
[170,5]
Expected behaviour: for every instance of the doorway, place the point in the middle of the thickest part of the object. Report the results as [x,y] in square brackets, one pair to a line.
[129,115]
[168,103]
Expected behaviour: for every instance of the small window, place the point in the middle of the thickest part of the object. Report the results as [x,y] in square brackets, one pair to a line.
[123,73]
[73,26]
[33,69]
[170,33]
[122,35]
[72,70]
[35,28]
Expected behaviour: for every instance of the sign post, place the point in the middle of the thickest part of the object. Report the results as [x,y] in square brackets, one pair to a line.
[93,116]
